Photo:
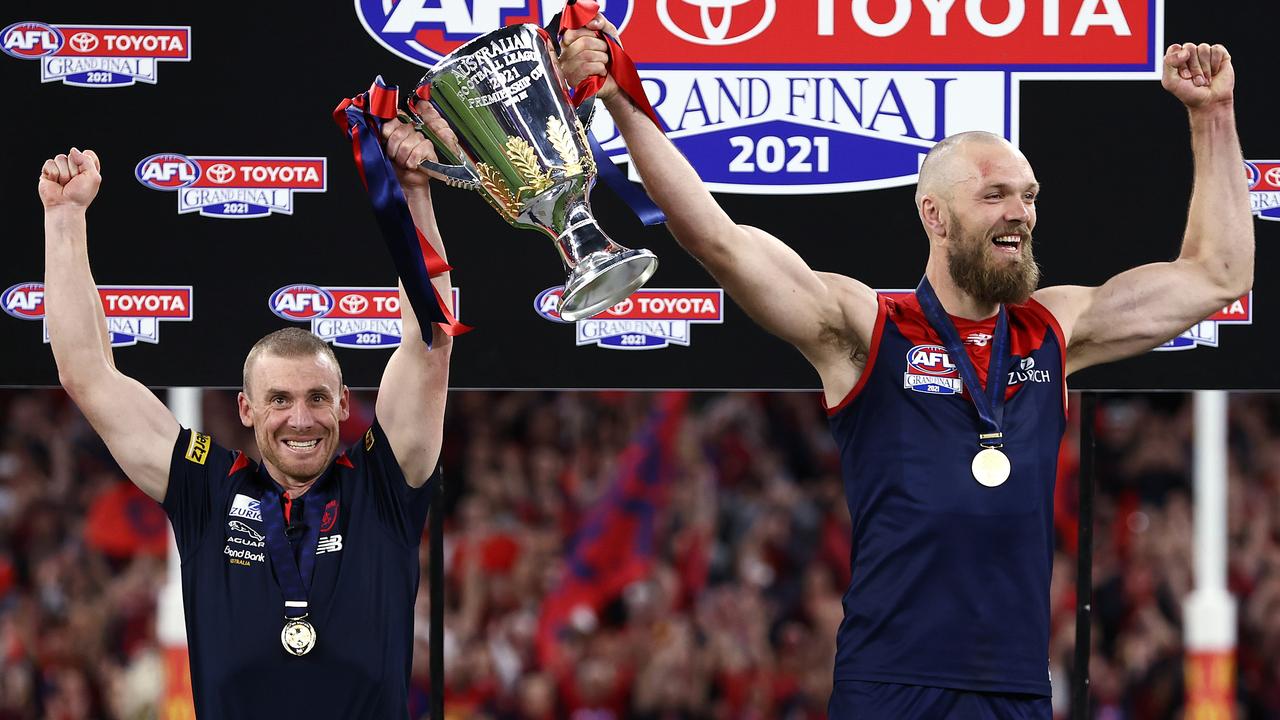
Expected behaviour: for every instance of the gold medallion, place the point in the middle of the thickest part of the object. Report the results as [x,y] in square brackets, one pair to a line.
[298,637]
[991,467]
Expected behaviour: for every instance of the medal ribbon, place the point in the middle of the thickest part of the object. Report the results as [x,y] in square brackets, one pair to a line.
[361,119]
[988,403]
[293,575]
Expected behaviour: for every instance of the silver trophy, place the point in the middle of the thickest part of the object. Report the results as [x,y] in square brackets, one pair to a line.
[525,150]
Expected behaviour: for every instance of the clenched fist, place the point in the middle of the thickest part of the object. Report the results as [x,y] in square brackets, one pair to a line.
[584,53]
[1199,75]
[70,181]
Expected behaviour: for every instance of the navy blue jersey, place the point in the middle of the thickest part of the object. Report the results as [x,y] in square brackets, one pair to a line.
[362,594]
[950,584]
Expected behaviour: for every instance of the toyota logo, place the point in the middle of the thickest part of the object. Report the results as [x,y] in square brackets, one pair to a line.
[716,33]
[353,304]
[83,42]
[622,308]
[221,173]
[1273,177]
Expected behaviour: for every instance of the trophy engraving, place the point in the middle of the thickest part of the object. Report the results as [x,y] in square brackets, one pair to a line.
[525,150]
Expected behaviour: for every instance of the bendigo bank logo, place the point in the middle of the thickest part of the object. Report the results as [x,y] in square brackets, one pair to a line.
[350,317]
[823,96]
[232,187]
[97,55]
[134,312]
[1264,187]
[650,319]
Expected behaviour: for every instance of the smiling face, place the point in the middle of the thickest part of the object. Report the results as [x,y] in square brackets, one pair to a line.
[982,194]
[294,405]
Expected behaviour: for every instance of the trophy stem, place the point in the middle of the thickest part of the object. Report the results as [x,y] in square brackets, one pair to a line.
[602,273]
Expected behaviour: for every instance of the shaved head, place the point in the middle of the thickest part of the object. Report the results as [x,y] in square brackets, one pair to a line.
[941,168]
[976,199]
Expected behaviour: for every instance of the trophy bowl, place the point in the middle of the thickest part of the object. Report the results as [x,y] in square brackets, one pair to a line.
[522,146]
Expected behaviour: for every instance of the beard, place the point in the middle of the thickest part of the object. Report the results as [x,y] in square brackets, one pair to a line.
[981,276]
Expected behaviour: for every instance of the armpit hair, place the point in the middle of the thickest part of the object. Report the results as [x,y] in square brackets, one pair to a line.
[842,340]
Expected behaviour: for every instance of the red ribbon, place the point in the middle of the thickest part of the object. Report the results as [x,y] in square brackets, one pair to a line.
[576,15]
[368,111]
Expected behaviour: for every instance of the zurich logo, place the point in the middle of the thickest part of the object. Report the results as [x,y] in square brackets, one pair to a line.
[424,31]
[716,22]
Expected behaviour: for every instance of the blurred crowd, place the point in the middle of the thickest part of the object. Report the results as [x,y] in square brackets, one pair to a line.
[627,555]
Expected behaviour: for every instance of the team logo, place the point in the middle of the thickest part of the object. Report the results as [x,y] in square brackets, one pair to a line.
[930,371]
[423,32]
[97,55]
[823,96]
[246,507]
[1205,332]
[330,516]
[650,319]
[1264,187]
[350,317]
[232,187]
[134,312]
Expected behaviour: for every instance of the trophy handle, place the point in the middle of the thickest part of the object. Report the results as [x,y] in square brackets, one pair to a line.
[455,173]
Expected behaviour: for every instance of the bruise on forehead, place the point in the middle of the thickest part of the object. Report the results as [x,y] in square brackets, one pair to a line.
[942,169]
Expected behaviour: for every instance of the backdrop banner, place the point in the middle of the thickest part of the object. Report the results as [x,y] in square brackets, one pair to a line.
[230,207]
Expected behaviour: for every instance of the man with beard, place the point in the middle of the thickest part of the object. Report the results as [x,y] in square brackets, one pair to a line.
[948,477]
[299,574]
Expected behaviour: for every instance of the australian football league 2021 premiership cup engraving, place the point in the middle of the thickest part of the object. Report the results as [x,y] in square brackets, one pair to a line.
[525,150]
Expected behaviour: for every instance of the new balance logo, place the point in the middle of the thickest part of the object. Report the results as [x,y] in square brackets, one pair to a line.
[328,544]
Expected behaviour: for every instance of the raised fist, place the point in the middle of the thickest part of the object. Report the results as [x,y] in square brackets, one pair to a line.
[1199,75]
[70,180]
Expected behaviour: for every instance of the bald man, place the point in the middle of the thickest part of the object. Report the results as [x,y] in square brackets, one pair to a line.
[948,476]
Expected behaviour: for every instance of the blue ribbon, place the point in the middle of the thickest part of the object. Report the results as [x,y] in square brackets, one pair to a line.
[293,571]
[989,404]
[632,194]
[391,210]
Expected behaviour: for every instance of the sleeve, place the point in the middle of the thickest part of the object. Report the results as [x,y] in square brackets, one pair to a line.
[198,486]
[401,508]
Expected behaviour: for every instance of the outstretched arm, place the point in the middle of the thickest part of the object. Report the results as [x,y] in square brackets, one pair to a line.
[827,317]
[137,428]
[1139,309]
[411,396]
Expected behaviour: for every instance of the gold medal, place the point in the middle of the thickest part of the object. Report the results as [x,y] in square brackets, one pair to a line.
[298,636]
[991,467]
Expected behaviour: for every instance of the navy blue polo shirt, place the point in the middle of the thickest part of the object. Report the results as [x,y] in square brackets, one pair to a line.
[362,593]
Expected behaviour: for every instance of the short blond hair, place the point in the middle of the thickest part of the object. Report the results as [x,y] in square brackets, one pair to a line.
[290,342]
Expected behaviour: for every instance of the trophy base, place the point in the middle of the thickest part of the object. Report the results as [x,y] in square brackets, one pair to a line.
[603,280]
